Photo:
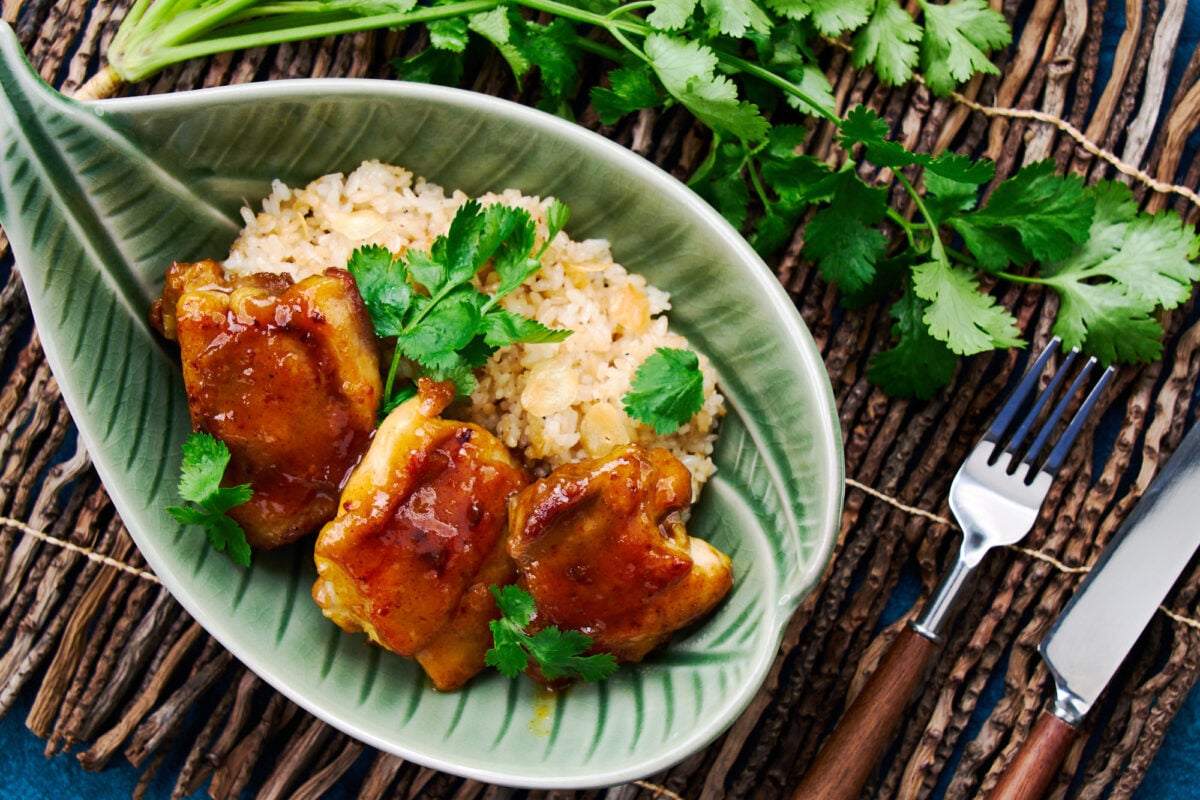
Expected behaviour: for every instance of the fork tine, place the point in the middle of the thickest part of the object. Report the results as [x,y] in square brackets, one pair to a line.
[1059,453]
[1043,397]
[1012,406]
[1060,408]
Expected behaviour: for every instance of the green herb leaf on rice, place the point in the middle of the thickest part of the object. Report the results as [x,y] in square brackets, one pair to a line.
[667,390]
[428,302]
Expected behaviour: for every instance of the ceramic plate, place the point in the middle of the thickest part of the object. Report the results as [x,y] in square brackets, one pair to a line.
[97,200]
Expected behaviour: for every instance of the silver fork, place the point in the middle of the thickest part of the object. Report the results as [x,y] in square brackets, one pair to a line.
[995,497]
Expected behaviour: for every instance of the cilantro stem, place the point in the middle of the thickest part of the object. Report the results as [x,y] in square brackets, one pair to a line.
[630,7]
[1028,279]
[222,27]
[910,228]
[780,82]
[587,17]
[391,376]
[597,48]
[936,248]
[755,180]
[710,160]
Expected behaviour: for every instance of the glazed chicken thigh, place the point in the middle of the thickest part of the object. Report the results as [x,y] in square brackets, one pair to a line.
[601,547]
[286,375]
[419,538]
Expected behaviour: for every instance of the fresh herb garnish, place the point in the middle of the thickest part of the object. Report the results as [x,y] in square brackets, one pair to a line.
[1112,266]
[558,654]
[427,301]
[667,389]
[204,462]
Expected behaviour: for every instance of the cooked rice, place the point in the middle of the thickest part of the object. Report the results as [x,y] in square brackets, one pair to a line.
[552,403]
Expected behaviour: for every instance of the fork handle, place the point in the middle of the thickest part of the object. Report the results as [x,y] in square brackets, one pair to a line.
[849,756]
[1038,761]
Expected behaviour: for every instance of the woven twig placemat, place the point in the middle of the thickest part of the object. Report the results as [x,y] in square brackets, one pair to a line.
[117,670]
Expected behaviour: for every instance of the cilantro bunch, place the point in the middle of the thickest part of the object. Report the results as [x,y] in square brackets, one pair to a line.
[740,67]
[441,322]
[1112,267]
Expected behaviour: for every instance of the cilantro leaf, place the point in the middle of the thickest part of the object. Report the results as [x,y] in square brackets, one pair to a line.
[441,327]
[1150,254]
[558,655]
[204,461]
[502,327]
[1113,324]
[431,65]
[791,9]
[383,278]
[735,17]
[958,37]
[1034,215]
[556,219]
[835,17]
[945,198]
[918,365]
[552,49]
[960,169]
[863,126]
[632,89]
[888,43]
[841,237]
[496,26]
[846,249]
[448,34]
[811,80]
[667,389]
[451,327]
[959,314]
[1131,264]
[687,71]
[671,15]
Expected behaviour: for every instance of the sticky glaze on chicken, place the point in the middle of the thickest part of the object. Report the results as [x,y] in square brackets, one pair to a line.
[286,375]
[419,538]
[601,547]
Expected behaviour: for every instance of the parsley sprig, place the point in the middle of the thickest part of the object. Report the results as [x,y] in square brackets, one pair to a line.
[558,654]
[204,460]
[427,301]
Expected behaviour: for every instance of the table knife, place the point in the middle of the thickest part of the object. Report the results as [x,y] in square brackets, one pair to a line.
[1106,615]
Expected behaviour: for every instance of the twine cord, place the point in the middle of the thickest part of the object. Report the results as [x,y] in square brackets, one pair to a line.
[1036,554]
[1066,569]
[1062,125]
[87,553]
[1083,141]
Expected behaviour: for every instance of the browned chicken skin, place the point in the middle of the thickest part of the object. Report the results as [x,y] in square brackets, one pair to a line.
[419,538]
[602,549]
[286,375]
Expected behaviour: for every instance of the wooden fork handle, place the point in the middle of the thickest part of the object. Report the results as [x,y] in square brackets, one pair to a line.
[849,756]
[1038,761]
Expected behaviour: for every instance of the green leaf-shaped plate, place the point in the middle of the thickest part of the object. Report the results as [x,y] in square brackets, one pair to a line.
[97,200]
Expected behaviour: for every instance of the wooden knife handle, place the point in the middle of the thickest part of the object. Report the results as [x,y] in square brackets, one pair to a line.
[850,755]
[1038,761]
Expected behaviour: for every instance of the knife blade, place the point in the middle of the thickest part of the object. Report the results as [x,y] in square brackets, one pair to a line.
[1108,612]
